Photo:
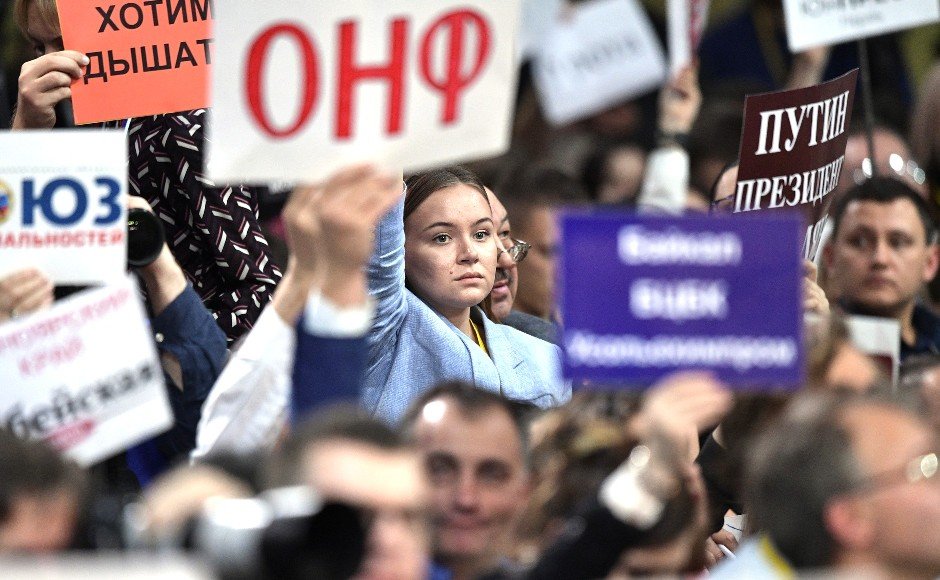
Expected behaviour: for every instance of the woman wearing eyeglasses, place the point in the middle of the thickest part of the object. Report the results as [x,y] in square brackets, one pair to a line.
[435,260]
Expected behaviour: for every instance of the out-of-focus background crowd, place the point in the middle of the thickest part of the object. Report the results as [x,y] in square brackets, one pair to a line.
[457,451]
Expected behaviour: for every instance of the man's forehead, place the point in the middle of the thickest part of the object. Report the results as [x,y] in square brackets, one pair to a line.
[898,214]
[884,437]
[445,427]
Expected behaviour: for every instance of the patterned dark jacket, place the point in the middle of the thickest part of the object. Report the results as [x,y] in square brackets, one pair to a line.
[212,231]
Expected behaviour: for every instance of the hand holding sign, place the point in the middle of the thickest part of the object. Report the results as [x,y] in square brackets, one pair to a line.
[24,292]
[329,226]
[44,82]
[143,59]
[679,102]
[814,297]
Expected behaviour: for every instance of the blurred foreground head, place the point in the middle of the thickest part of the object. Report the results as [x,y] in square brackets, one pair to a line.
[475,448]
[347,456]
[848,483]
[40,496]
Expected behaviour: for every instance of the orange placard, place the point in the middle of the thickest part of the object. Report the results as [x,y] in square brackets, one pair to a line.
[147,56]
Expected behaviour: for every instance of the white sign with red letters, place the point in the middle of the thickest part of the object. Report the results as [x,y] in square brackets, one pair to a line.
[84,375]
[303,88]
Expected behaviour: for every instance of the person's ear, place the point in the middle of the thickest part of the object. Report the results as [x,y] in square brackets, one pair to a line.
[849,523]
[930,265]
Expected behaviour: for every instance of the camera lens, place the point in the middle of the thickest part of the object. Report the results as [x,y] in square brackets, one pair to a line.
[145,238]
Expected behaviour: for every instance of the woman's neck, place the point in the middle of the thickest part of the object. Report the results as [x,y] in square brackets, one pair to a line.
[461,319]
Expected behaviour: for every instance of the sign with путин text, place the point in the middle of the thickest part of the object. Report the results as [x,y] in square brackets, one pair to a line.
[596,55]
[63,204]
[84,375]
[645,296]
[146,56]
[792,150]
[812,23]
[304,88]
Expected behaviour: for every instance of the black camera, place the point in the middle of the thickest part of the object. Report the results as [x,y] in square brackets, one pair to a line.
[283,534]
[145,238]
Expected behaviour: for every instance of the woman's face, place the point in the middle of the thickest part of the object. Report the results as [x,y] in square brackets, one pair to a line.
[45,37]
[450,249]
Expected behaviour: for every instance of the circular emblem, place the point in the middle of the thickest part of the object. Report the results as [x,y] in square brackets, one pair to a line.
[6,202]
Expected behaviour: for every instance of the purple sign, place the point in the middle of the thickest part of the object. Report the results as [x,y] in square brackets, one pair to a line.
[644,296]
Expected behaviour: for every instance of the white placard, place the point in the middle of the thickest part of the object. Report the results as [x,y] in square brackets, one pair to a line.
[303,88]
[100,565]
[538,17]
[812,23]
[63,204]
[84,375]
[685,21]
[601,53]
[879,338]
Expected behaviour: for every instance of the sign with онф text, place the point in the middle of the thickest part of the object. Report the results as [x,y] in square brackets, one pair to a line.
[302,89]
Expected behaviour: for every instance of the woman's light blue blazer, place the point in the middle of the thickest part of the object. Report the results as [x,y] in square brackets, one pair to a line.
[412,347]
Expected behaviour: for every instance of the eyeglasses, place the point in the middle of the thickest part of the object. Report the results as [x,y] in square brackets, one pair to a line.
[922,468]
[897,164]
[722,205]
[518,250]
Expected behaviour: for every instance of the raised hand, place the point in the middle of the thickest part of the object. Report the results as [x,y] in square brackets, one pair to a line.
[43,83]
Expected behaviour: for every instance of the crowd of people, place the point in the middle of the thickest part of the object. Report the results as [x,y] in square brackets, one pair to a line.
[393,404]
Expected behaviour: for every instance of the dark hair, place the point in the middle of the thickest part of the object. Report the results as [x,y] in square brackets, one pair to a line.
[538,185]
[542,184]
[596,169]
[47,11]
[915,370]
[584,442]
[713,191]
[421,186]
[473,402]
[342,422]
[885,190]
[33,468]
[915,367]
[716,135]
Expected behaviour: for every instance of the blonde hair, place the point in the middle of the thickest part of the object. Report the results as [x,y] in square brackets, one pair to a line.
[47,11]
